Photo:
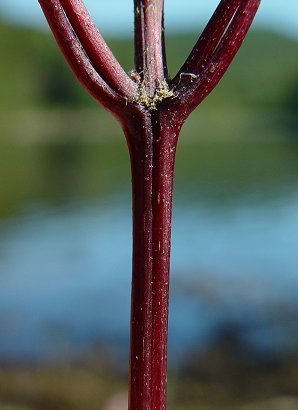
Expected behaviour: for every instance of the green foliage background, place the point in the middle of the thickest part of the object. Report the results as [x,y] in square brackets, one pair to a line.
[33,74]
[57,142]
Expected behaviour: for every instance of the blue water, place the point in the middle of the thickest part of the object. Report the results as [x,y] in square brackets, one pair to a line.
[65,276]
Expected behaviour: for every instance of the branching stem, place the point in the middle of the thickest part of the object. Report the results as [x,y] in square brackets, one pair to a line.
[151,110]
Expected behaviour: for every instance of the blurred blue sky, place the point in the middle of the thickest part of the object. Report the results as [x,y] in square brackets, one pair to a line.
[115,16]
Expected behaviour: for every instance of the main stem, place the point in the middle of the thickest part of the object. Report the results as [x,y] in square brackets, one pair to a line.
[152,143]
[151,110]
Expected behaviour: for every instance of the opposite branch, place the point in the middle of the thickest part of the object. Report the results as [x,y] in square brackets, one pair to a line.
[209,39]
[193,86]
[77,58]
[97,50]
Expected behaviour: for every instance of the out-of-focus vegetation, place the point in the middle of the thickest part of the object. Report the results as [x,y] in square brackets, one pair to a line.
[263,79]
[220,382]
[56,143]
[50,125]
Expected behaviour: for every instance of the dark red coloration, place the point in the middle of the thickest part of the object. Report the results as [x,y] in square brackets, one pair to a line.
[96,48]
[213,53]
[152,142]
[151,110]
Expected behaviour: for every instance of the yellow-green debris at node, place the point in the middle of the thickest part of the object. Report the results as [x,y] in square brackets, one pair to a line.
[161,93]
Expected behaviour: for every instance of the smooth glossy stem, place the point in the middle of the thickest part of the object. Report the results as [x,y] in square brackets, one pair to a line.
[213,54]
[78,60]
[152,162]
[209,39]
[151,117]
[164,147]
[97,50]
[149,43]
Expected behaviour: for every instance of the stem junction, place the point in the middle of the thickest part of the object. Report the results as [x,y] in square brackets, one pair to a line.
[151,109]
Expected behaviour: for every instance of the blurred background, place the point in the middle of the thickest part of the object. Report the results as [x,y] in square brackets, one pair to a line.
[65,223]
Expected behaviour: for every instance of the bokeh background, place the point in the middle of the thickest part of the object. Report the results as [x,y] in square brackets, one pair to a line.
[65,223]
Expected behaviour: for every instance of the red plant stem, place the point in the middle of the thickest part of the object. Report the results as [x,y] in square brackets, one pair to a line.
[209,39]
[96,48]
[164,148]
[149,43]
[192,87]
[151,112]
[77,58]
[152,144]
